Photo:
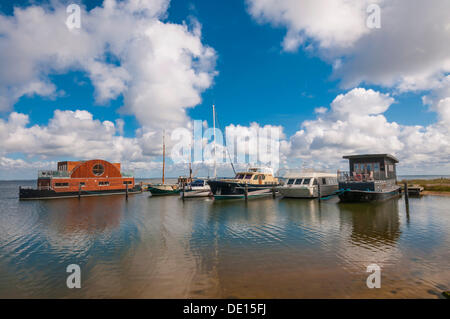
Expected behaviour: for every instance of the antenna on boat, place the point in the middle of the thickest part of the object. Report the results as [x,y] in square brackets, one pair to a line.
[164,155]
[214,130]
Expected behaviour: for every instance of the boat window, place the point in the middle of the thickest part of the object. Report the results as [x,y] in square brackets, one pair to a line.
[369,167]
[291,181]
[82,183]
[239,176]
[263,177]
[324,181]
[376,167]
[127,182]
[298,181]
[61,184]
[197,183]
[306,181]
[356,167]
[315,181]
[98,169]
[103,183]
[248,176]
[256,177]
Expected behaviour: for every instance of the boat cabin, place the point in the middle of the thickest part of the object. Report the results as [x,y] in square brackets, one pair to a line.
[256,176]
[198,183]
[372,166]
[311,179]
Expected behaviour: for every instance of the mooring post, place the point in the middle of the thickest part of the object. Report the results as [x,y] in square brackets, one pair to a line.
[79,191]
[405,189]
[126,192]
[184,189]
[318,191]
[273,192]
[246,192]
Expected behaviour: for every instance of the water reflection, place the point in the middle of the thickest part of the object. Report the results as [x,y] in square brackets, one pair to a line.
[377,224]
[163,247]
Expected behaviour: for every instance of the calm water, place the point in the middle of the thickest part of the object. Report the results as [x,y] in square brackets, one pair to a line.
[163,248]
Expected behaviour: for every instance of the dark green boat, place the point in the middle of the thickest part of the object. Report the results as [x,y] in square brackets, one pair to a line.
[163,189]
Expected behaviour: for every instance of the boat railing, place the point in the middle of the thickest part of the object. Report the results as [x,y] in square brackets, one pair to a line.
[50,174]
[346,176]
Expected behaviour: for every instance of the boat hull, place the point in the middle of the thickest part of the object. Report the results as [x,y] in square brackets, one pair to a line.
[33,194]
[358,196]
[162,191]
[193,194]
[233,190]
[307,192]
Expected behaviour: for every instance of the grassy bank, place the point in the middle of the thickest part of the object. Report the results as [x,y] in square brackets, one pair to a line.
[431,185]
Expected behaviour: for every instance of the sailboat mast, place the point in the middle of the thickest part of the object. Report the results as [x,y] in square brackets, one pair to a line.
[164,156]
[214,130]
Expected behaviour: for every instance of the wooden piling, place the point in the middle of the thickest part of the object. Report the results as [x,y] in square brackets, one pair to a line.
[246,192]
[126,192]
[79,191]
[405,190]
[273,192]
[318,191]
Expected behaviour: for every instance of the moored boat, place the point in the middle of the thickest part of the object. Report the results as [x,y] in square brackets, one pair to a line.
[372,177]
[309,185]
[255,182]
[163,189]
[197,188]
[80,179]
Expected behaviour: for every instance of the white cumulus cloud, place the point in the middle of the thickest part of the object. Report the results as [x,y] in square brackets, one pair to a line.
[125,47]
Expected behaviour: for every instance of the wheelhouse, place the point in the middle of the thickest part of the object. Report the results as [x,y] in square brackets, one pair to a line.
[255,176]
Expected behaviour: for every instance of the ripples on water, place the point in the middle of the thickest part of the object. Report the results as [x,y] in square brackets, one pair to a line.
[163,247]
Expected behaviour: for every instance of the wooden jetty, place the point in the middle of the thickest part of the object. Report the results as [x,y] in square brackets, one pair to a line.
[413,189]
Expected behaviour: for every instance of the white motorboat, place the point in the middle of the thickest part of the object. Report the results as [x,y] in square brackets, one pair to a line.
[197,188]
[309,185]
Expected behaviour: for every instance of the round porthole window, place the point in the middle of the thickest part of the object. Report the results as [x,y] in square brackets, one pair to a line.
[98,169]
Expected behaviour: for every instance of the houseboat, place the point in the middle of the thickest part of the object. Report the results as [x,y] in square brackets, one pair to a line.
[81,178]
[309,185]
[372,177]
[255,182]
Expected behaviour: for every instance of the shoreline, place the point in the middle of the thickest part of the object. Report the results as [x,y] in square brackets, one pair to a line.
[435,193]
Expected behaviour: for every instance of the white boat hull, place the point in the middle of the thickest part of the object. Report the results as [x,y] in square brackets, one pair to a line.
[308,191]
[196,192]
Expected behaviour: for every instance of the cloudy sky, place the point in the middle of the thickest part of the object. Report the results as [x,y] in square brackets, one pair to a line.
[313,69]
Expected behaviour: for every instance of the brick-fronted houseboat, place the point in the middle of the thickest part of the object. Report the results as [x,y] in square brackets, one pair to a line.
[81,178]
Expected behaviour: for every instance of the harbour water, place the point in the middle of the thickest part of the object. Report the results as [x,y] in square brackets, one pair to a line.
[162,247]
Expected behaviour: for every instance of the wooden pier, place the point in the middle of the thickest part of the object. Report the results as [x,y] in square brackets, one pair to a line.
[413,189]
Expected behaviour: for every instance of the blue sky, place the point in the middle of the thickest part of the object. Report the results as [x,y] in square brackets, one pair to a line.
[257,80]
